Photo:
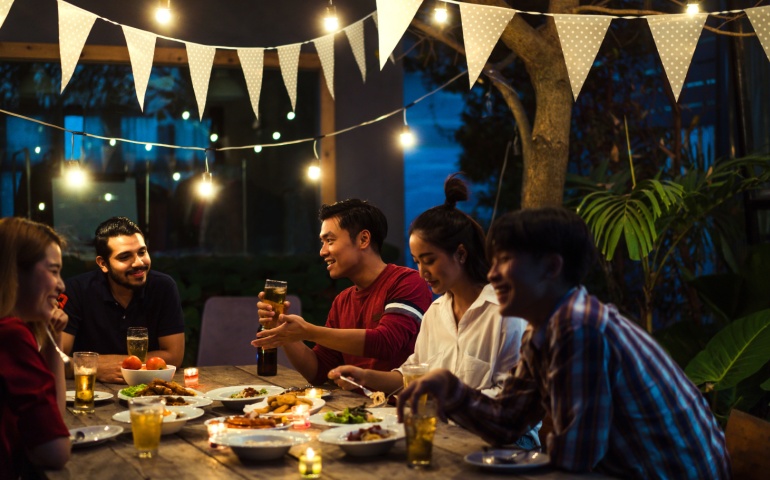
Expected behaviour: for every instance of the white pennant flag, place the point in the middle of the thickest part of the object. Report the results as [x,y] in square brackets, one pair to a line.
[5,6]
[394,16]
[288,57]
[355,35]
[252,62]
[141,50]
[482,27]
[325,48]
[676,37]
[580,37]
[200,58]
[760,20]
[74,26]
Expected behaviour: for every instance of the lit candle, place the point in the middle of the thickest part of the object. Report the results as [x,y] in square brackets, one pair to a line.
[216,431]
[191,377]
[300,419]
[310,464]
[312,393]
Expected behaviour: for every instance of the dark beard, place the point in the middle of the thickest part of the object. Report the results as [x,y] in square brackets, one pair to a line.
[119,280]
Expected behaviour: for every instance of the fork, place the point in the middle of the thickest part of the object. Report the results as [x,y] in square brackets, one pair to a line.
[63,355]
[366,391]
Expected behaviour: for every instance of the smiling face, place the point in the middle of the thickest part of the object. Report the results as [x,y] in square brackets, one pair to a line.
[521,283]
[441,270]
[39,288]
[129,261]
[341,254]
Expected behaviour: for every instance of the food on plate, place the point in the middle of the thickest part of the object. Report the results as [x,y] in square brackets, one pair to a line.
[157,387]
[378,398]
[368,434]
[282,403]
[132,363]
[155,363]
[352,416]
[251,421]
[249,392]
[176,401]
[308,391]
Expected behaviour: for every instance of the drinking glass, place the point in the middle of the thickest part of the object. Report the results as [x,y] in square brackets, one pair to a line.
[146,422]
[413,371]
[275,295]
[420,426]
[137,342]
[84,366]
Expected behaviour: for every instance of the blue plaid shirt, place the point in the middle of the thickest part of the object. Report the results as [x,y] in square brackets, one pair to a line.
[619,403]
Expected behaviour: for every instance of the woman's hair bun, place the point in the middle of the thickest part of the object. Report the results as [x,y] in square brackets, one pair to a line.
[455,190]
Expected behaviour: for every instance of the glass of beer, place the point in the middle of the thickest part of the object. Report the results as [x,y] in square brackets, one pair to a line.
[413,371]
[137,342]
[84,365]
[146,422]
[275,295]
[420,426]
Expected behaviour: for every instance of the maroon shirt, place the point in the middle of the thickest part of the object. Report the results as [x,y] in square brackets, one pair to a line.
[390,309]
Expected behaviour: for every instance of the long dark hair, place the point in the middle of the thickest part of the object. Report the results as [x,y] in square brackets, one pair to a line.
[447,228]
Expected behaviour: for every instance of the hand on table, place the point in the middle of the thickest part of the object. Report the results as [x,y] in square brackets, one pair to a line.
[435,383]
[355,373]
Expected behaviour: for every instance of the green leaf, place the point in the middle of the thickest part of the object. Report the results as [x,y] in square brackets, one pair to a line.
[765,385]
[736,352]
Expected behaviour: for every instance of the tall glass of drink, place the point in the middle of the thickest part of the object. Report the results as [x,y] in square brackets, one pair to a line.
[275,296]
[84,365]
[420,427]
[137,342]
[413,371]
[146,421]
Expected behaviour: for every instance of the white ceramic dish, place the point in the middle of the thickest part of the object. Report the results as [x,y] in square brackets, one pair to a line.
[135,377]
[317,405]
[263,445]
[339,437]
[506,460]
[94,435]
[171,423]
[236,404]
[247,430]
[386,420]
[199,400]
[98,396]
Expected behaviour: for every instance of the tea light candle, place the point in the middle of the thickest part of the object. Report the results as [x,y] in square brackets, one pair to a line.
[191,377]
[300,419]
[216,431]
[312,393]
[310,464]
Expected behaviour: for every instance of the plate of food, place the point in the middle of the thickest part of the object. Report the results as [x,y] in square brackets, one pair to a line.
[98,396]
[94,435]
[176,395]
[258,446]
[248,422]
[310,392]
[284,404]
[235,398]
[352,416]
[508,459]
[174,418]
[360,441]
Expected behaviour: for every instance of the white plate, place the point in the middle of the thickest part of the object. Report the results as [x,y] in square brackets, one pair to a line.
[387,420]
[524,460]
[248,430]
[223,395]
[98,396]
[317,405]
[95,435]
[199,400]
[171,424]
[339,437]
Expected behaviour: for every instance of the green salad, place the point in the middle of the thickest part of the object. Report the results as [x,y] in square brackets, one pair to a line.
[352,416]
[132,391]
[249,392]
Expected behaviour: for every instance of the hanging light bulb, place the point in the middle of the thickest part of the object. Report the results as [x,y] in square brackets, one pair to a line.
[74,175]
[693,8]
[163,12]
[331,22]
[406,137]
[314,172]
[206,186]
[440,13]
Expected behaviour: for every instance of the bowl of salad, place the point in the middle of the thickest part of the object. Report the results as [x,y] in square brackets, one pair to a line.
[237,397]
[354,416]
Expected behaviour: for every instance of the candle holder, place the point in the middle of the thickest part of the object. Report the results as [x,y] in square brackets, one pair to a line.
[191,377]
[217,430]
[310,464]
[300,418]
[312,393]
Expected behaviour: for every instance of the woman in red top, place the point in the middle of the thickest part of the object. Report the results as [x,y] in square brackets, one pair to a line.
[32,387]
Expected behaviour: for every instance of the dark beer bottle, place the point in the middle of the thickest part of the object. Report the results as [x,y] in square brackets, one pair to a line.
[267,362]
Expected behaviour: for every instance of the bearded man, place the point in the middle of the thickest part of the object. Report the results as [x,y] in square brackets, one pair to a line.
[123,292]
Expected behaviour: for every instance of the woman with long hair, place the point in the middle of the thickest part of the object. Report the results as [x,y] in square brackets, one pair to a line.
[32,385]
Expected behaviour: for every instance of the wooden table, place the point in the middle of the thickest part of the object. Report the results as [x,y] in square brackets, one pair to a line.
[187,455]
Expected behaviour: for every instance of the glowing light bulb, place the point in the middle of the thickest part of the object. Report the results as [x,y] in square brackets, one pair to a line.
[113,142]
[257,148]
[693,8]
[41,206]
[440,13]
[214,137]
[407,138]
[147,147]
[176,176]
[206,186]
[74,175]
[107,197]
[331,22]
[314,172]
[185,115]
[276,135]
[37,149]
[163,12]
[291,116]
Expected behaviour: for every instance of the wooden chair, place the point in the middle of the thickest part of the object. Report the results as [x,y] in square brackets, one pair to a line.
[748,443]
[228,325]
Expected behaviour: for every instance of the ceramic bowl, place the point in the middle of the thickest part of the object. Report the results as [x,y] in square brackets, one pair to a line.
[264,445]
[135,377]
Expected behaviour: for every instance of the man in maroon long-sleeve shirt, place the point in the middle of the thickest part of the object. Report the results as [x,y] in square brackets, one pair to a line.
[372,324]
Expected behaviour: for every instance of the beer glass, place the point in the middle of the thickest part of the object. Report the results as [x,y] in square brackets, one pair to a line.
[413,371]
[84,365]
[275,295]
[137,342]
[146,421]
[420,427]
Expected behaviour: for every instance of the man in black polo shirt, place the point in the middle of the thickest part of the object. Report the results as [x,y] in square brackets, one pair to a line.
[122,293]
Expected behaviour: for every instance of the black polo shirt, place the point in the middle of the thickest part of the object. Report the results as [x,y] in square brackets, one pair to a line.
[99,323]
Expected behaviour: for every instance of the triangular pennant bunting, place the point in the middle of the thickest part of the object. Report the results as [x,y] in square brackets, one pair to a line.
[355,35]
[676,37]
[325,48]
[200,58]
[376,20]
[74,26]
[394,16]
[760,20]
[5,6]
[482,27]
[580,37]
[252,62]
[288,57]
[141,50]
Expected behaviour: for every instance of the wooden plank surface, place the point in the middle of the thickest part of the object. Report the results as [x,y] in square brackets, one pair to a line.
[187,454]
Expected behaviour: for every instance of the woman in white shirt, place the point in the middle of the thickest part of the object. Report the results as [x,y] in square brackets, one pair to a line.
[462,330]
